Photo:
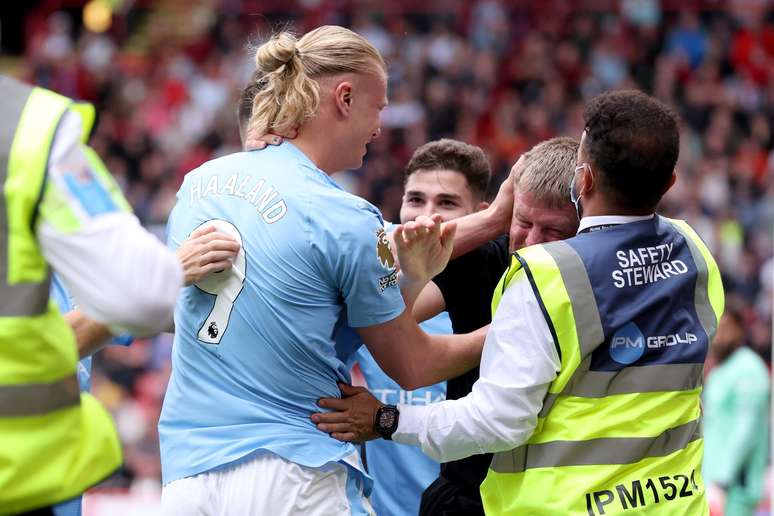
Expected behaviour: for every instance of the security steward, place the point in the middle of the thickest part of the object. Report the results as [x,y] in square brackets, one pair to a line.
[56,208]
[592,368]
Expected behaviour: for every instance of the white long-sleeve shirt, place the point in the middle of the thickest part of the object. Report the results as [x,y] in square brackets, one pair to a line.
[119,274]
[518,363]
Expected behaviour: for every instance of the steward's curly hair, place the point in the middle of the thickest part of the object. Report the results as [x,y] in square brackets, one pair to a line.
[632,142]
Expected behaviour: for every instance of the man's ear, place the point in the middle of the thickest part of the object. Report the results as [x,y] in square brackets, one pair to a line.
[588,181]
[482,206]
[671,183]
[343,98]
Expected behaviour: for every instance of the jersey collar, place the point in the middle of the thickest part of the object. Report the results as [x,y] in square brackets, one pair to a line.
[589,223]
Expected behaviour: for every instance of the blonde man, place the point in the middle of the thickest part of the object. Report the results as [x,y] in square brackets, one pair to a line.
[254,348]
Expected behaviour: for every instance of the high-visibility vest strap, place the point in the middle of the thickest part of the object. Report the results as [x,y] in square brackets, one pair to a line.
[25,142]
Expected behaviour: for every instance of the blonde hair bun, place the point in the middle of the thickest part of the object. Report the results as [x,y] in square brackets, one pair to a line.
[276,52]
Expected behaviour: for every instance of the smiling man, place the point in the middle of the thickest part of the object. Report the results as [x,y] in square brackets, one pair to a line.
[450,178]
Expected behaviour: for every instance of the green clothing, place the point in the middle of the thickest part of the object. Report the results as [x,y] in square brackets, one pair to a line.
[56,441]
[736,429]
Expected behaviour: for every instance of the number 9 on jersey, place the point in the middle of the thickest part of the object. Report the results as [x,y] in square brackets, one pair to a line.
[225,285]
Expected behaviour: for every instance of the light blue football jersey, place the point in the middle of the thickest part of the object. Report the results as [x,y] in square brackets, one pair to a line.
[254,346]
[400,472]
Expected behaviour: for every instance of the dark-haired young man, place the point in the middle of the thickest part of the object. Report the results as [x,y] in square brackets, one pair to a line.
[450,178]
[592,368]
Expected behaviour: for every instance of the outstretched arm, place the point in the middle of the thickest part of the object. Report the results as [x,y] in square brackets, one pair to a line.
[423,247]
[429,303]
[478,228]
[415,359]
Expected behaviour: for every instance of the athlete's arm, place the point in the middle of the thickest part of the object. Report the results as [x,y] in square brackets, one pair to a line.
[405,352]
[415,359]
[121,275]
[476,229]
[429,303]
[423,247]
[90,336]
[518,364]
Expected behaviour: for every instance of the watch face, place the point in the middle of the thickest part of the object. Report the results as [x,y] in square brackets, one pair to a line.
[386,419]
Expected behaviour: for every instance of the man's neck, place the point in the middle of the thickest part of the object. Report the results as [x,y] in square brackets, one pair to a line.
[312,149]
[317,139]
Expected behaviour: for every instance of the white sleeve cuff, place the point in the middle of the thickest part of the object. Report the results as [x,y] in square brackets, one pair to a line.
[411,423]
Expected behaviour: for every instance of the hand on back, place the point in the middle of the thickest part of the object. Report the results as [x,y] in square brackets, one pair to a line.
[254,142]
[206,250]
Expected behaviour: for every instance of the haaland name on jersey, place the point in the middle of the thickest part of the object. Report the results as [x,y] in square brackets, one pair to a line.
[259,194]
[645,265]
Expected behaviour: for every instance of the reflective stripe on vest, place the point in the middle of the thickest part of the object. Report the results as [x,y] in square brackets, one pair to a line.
[605,450]
[34,399]
[21,298]
[24,149]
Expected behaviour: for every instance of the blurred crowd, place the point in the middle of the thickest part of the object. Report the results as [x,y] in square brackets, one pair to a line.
[503,75]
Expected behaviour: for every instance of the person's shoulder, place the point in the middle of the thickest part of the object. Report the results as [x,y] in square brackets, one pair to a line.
[748,360]
[212,166]
[497,248]
[339,207]
[358,205]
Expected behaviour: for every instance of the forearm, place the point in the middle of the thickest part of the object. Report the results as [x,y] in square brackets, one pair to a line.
[429,303]
[490,419]
[413,358]
[442,357]
[90,336]
[410,290]
[478,228]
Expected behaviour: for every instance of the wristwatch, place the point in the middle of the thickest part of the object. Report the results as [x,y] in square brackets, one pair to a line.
[386,421]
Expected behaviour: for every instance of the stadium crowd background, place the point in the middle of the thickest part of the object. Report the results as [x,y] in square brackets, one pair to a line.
[503,75]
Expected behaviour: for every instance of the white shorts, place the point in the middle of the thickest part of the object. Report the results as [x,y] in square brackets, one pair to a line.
[268,485]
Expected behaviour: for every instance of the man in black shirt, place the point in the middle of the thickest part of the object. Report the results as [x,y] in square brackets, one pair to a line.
[542,212]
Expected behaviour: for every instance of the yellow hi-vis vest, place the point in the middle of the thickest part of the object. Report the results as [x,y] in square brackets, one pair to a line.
[607,442]
[55,442]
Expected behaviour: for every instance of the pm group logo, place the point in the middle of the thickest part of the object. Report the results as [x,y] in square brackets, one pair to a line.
[627,344]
